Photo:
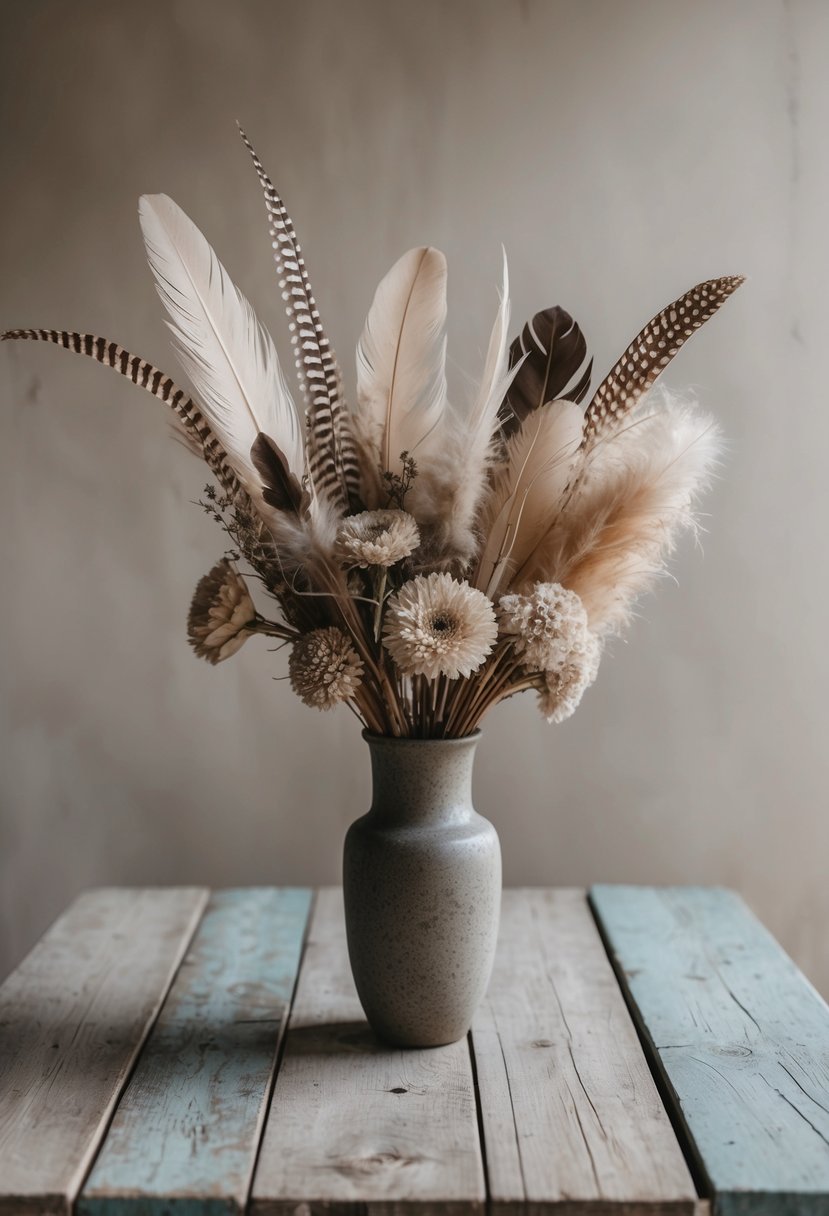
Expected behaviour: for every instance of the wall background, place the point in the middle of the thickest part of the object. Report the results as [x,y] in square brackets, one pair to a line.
[622,152]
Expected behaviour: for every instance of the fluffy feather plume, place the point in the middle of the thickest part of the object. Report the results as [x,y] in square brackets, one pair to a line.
[401,363]
[548,356]
[191,425]
[447,494]
[636,497]
[527,491]
[333,464]
[227,354]
[650,352]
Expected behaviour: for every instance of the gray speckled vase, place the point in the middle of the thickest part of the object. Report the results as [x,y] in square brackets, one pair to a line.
[422,881]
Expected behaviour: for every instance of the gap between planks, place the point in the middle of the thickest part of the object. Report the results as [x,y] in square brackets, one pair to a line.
[571,1117]
[188,1127]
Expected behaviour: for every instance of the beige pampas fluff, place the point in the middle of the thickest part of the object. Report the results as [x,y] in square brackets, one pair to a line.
[635,497]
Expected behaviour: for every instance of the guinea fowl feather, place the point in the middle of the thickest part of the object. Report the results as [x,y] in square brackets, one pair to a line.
[229,357]
[650,352]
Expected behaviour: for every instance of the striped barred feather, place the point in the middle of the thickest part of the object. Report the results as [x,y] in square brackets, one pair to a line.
[650,352]
[192,427]
[333,465]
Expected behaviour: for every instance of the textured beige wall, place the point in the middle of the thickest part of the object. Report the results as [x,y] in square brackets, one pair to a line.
[621,151]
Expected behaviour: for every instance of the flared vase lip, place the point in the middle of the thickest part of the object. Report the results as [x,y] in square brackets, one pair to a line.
[374,740]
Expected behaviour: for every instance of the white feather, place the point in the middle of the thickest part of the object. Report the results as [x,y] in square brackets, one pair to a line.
[401,361]
[229,357]
[447,495]
[497,375]
[528,490]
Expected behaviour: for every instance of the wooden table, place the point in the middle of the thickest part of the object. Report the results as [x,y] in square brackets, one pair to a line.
[641,1050]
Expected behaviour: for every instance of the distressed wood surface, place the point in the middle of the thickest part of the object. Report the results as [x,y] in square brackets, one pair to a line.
[741,1039]
[187,1129]
[571,1116]
[73,1017]
[355,1125]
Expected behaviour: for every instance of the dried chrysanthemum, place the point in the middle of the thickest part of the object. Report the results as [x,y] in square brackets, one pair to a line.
[324,668]
[564,686]
[436,625]
[221,613]
[545,626]
[377,538]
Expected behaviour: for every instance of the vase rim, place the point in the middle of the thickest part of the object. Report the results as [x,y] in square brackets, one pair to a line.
[374,740]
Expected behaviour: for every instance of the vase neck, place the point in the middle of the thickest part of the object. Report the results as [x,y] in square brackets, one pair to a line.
[421,781]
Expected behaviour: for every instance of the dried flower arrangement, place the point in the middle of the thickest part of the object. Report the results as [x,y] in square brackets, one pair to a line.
[425,559]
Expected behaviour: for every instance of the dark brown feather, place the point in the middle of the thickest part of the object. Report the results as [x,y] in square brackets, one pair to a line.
[553,350]
[280,488]
[650,352]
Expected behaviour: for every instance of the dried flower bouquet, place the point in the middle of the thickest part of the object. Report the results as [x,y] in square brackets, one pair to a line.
[424,559]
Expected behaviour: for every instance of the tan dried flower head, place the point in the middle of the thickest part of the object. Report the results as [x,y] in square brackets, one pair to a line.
[221,613]
[376,538]
[324,668]
[545,626]
[436,625]
[565,686]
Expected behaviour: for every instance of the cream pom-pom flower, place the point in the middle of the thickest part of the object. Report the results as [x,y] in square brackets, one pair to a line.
[324,668]
[545,626]
[436,625]
[565,685]
[222,614]
[377,538]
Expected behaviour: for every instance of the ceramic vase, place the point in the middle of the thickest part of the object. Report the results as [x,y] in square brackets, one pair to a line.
[422,884]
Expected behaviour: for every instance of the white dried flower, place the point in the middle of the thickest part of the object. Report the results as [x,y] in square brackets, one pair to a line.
[324,668]
[221,613]
[565,685]
[436,625]
[545,626]
[377,538]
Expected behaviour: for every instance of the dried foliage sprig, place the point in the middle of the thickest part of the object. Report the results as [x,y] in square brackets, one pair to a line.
[427,558]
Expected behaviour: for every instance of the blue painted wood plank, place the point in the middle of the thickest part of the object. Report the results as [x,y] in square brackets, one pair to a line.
[73,1017]
[740,1037]
[185,1136]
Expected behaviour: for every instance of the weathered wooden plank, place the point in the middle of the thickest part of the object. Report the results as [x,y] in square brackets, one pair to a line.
[571,1116]
[73,1017]
[354,1122]
[741,1038]
[187,1129]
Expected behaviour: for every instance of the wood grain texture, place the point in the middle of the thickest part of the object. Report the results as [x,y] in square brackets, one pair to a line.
[741,1039]
[357,1126]
[571,1116]
[186,1132]
[73,1017]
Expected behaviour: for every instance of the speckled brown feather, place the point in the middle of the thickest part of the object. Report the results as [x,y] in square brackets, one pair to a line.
[650,352]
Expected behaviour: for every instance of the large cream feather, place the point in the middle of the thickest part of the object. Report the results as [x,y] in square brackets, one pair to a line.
[528,491]
[401,362]
[229,357]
